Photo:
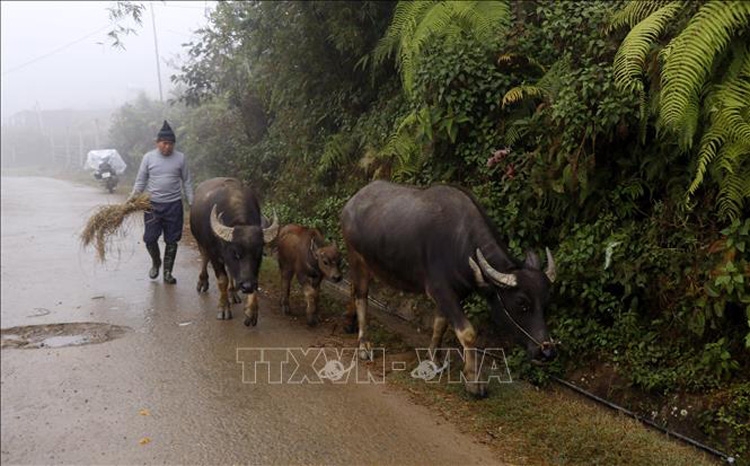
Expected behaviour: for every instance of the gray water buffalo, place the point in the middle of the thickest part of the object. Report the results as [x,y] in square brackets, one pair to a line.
[439,241]
[225,220]
[303,252]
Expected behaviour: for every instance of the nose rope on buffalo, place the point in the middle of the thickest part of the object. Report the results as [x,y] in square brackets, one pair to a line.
[523,330]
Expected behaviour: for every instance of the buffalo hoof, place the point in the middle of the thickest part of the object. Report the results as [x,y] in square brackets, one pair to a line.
[235,298]
[285,309]
[224,315]
[350,323]
[202,286]
[365,351]
[251,320]
[312,321]
[477,390]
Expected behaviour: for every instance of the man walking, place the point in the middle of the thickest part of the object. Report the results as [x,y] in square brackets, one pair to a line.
[164,175]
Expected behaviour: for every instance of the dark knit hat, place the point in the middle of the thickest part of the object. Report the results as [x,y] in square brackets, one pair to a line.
[166,133]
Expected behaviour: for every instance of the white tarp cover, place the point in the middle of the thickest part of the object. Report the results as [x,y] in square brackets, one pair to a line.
[96,157]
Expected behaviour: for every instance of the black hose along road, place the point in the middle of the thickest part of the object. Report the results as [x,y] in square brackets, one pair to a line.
[343,289]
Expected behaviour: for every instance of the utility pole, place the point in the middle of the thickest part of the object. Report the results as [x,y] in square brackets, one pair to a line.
[52,147]
[80,148]
[68,161]
[156,49]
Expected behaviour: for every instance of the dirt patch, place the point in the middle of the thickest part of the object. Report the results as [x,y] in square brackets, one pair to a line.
[59,335]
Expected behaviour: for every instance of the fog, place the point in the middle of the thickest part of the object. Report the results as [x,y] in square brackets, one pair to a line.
[56,55]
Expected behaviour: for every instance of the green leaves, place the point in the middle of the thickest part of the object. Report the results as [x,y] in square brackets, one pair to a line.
[726,143]
[123,11]
[630,60]
[691,60]
[633,13]
[415,24]
[703,91]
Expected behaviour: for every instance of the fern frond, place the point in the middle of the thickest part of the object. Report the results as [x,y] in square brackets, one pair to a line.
[733,188]
[734,179]
[745,174]
[404,153]
[517,130]
[400,31]
[402,150]
[728,123]
[691,60]
[546,87]
[487,17]
[552,79]
[630,60]
[436,20]
[519,93]
[710,145]
[633,13]
[339,150]
[732,97]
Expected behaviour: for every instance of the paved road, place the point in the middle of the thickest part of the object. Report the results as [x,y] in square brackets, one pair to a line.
[170,389]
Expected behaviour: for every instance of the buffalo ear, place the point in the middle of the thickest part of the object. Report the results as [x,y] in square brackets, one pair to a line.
[532,260]
[314,248]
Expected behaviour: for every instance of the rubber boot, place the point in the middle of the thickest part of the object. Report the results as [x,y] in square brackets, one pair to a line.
[170,252]
[153,251]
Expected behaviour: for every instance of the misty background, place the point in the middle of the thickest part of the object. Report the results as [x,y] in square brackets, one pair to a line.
[62,78]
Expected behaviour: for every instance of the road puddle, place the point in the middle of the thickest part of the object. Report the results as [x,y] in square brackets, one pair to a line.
[59,335]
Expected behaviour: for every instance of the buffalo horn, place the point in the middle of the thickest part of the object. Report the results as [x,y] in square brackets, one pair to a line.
[477,273]
[269,234]
[499,278]
[551,271]
[222,231]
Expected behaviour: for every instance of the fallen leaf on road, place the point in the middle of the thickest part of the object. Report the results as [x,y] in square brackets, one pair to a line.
[145,440]
[144,412]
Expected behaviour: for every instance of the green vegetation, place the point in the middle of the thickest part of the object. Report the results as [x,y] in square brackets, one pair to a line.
[630,153]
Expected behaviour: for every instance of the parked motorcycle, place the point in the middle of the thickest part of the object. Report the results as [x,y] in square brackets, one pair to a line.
[107,176]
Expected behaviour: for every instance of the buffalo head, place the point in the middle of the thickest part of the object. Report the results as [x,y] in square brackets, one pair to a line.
[242,249]
[329,260]
[520,297]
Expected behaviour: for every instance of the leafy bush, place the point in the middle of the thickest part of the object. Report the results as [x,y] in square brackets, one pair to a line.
[731,419]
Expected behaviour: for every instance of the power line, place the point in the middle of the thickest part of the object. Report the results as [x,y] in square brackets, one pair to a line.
[57,50]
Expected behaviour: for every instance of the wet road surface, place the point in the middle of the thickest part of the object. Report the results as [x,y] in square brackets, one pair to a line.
[166,386]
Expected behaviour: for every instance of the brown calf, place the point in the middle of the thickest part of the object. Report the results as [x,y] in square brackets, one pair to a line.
[303,252]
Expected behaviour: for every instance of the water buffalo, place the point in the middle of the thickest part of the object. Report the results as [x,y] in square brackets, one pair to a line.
[439,241]
[226,222]
[303,252]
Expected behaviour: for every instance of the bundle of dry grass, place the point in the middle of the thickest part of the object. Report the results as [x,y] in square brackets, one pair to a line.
[107,221]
